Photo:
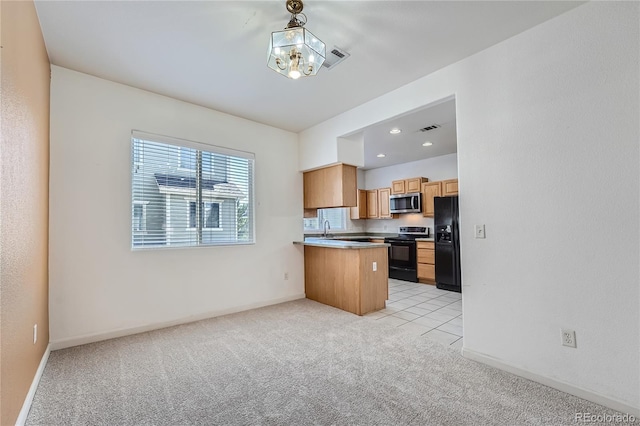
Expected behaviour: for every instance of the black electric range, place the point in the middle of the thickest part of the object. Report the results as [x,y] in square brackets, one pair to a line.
[403,264]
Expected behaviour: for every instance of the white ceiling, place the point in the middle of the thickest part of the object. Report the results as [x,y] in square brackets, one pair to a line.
[213,53]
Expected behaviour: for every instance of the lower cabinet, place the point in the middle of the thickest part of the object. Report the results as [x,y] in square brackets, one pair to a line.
[426,261]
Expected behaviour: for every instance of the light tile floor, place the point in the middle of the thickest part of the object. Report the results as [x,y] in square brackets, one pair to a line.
[424,310]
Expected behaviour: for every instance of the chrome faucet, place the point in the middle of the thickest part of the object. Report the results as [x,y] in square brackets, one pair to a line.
[326,226]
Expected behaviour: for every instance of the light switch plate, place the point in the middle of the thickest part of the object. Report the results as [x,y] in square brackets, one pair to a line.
[479,229]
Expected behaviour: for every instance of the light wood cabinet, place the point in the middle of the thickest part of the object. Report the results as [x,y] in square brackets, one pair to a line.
[429,190]
[344,278]
[372,204]
[333,186]
[426,261]
[384,208]
[449,187]
[360,211]
[442,188]
[398,187]
[407,186]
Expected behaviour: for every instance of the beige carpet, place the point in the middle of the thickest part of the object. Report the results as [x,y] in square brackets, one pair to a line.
[297,363]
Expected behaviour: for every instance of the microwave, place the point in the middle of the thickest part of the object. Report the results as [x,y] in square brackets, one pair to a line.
[406,203]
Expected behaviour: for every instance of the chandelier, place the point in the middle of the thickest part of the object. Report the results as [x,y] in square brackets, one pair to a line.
[295,52]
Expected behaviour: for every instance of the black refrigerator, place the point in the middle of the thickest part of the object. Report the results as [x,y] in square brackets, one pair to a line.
[447,242]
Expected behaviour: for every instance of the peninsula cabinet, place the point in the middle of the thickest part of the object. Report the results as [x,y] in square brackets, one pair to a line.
[407,186]
[355,280]
[333,186]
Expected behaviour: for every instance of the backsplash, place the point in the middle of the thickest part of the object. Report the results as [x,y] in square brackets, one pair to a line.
[392,225]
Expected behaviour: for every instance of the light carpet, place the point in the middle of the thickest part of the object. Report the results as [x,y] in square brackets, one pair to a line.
[296,363]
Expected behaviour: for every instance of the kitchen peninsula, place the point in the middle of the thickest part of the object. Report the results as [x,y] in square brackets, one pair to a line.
[349,275]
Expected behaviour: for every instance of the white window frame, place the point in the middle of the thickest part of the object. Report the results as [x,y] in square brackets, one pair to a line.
[249,191]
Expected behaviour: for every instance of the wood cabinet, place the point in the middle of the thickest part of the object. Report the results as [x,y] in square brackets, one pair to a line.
[426,261]
[345,279]
[360,211]
[407,186]
[449,187]
[372,204]
[429,190]
[384,208]
[333,186]
[443,188]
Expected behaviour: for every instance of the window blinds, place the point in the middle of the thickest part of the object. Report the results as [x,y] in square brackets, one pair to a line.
[188,194]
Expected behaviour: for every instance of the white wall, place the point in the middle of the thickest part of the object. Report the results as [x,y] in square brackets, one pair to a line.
[98,286]
[548,159]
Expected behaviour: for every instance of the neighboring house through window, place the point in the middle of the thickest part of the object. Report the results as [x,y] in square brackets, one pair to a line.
[189,194]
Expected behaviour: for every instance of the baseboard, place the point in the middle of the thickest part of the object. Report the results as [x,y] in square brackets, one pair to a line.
[24,412]
[97,337]
[553,383]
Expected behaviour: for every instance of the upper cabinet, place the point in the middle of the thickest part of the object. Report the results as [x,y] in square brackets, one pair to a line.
[384,209]
[360,211]
[372,204]
[407,186]
[333,186]
[429,190]
[443,188]
[449,187]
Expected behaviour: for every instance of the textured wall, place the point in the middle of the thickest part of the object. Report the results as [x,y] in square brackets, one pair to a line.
[548,158]
[24,201]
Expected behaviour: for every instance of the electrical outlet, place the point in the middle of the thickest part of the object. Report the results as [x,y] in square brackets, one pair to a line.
[479,231]
[35,333]
[286,276]
[568,338]
[375,266]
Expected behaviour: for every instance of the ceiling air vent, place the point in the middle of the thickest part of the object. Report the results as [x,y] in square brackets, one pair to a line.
[426,129]
[334,57]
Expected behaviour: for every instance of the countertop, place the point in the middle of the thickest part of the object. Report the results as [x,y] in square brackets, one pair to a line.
[339,244]
[425,239]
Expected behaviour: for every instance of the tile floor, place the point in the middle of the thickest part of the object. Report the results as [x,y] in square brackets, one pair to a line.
[424,309]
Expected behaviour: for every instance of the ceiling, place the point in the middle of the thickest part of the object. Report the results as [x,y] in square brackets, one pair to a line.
[214,53]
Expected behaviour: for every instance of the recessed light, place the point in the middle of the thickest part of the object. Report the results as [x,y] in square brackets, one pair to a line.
[427,143]
[395,131]
[380,155]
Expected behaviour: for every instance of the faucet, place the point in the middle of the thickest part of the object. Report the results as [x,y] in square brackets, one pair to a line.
[326,226]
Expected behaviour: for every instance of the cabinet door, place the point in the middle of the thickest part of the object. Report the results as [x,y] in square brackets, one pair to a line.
[449,187]
[384,209]
[372,204]
[429,190]
[398,187]
[360,211]
[413,185]
[333,186]
[426,271]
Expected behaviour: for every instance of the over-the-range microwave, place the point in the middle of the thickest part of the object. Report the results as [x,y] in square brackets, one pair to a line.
[406,203]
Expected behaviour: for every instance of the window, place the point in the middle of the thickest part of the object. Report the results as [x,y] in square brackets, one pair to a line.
[337,218]
[171,178]
[211,215]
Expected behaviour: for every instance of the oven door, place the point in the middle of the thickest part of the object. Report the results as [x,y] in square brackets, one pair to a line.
[402,254]
[402,260]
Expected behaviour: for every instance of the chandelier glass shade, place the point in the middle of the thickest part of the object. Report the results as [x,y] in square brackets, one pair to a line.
[295,52]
